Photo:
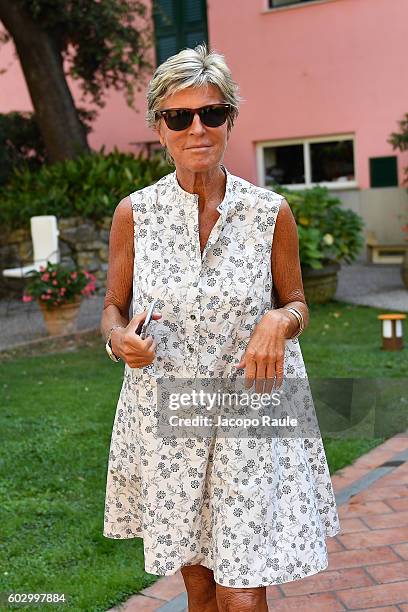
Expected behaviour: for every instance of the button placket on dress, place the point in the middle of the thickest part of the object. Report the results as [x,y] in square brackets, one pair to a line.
[192,305]
[197,264]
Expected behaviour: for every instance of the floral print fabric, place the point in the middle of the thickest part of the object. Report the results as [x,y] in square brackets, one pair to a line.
[255,511]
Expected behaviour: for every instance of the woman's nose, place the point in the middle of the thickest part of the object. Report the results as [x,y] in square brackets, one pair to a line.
[196,127]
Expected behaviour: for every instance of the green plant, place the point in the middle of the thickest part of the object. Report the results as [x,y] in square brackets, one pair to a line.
[399,140]
[58,284]
[327,232]
[89,186]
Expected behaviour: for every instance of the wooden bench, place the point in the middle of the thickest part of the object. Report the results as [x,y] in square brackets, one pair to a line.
[384,253]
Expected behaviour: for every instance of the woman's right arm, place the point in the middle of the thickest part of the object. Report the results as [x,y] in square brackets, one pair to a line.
[119,282]
[125,343]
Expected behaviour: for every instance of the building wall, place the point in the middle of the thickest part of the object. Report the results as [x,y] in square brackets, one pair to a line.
[315,69]
[318,69]
[323,68]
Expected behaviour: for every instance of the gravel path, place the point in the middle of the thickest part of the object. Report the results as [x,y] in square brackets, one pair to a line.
[378,285]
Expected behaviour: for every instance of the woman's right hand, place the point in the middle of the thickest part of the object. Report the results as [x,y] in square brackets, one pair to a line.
[129,346]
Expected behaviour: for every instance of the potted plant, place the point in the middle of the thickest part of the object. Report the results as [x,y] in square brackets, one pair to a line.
[58,289]
[328,235]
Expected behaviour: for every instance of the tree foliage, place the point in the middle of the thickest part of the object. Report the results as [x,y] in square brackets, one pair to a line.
[104,43]
[399,140]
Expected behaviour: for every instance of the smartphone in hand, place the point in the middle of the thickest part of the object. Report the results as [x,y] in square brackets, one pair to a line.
[143,328]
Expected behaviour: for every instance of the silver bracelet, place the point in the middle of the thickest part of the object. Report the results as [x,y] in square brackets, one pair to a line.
[111,330]
[108,344]
[299,316]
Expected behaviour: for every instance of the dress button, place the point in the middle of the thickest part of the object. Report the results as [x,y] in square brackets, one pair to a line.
[192,316]
[190,348]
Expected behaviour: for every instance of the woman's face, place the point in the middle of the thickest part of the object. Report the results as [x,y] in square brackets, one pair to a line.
[180,144]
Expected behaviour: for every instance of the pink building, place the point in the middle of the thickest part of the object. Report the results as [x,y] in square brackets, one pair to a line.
[324,86]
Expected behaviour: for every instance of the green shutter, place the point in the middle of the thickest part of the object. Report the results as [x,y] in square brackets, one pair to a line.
[194,22]
[178,24]
[384,171]
[165,26]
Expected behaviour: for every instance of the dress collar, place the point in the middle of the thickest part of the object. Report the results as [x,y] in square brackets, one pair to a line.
[192,197]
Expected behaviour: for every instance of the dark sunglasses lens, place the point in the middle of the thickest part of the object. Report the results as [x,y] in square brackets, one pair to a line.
[178,119]
[214,116]
[211,116]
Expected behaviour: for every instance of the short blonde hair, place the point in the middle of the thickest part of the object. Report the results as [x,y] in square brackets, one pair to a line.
[196,67]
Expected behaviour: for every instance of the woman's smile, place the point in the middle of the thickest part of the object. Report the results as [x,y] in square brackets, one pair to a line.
[199,148]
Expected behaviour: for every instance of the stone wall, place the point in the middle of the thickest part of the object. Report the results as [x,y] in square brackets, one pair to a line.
[82,242]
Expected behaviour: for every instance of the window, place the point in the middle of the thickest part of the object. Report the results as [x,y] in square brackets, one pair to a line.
[324,161]
[279,3]
[178,24]
[384,171]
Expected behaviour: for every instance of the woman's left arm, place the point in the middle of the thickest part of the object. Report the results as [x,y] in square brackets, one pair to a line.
[263,359]
[286,270]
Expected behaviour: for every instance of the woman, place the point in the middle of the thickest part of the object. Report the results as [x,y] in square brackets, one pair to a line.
[235,515]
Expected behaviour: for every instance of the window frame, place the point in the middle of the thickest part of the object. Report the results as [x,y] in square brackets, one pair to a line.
[268,9]
[334,186]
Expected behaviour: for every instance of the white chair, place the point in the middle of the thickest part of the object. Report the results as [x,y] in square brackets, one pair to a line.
[44,236]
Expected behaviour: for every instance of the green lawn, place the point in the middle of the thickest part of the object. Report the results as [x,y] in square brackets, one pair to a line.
[344,341]
[56,420]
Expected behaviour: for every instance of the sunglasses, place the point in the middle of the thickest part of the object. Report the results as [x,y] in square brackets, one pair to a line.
[178,119]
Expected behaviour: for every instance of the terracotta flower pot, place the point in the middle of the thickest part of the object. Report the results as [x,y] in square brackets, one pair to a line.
[320,285]
[61,319]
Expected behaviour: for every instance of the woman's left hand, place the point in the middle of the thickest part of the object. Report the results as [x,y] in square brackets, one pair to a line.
[264,355]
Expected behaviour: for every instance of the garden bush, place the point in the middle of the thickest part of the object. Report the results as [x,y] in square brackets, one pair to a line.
[327,232]
[89,186]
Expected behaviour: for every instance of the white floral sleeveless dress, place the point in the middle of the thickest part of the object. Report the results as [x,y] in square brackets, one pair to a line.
[255,515]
